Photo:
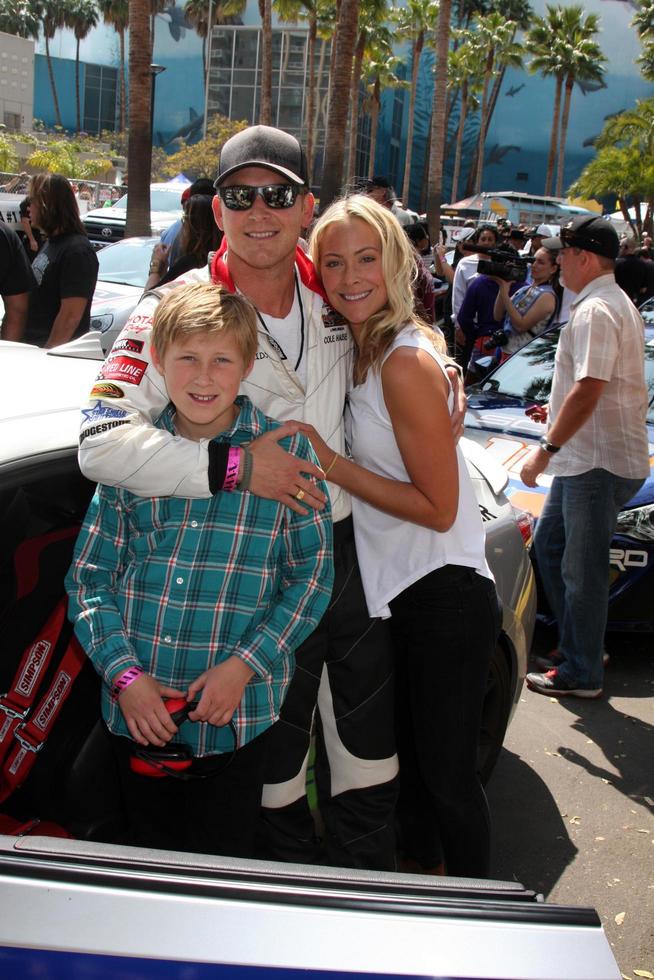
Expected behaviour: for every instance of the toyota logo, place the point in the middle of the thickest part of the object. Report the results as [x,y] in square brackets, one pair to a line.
[106,232]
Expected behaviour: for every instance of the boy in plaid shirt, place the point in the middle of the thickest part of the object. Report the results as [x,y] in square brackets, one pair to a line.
[205,599]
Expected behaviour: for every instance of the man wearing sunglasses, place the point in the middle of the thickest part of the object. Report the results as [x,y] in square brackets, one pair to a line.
[301,372]
[595,447]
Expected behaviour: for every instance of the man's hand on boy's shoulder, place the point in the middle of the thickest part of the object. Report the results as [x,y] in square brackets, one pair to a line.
[278,475]
[222,691]
[146,716]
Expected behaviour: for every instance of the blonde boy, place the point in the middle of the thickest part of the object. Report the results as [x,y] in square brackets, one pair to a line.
[205,599]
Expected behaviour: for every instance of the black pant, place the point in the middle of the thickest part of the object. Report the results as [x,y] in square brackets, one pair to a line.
[217,814]
[345,667]
[444,631]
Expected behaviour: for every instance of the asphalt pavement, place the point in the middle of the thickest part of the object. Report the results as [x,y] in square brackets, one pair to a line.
[572,800]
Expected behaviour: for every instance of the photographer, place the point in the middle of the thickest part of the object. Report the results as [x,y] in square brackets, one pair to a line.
[531,309]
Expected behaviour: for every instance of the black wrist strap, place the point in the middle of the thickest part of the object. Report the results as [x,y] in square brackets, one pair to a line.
[218,453]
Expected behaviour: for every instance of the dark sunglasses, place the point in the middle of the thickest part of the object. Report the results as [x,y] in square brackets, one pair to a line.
[241,197]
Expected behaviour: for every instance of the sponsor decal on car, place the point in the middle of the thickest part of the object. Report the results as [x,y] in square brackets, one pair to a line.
[104,389]
[101,411]
[95,430]
[119,367]
[128,343]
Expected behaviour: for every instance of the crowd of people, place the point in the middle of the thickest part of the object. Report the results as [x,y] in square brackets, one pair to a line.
[284,545]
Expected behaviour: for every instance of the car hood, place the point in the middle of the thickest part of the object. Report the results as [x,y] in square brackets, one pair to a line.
[500,424]
[112,292]
[40,397]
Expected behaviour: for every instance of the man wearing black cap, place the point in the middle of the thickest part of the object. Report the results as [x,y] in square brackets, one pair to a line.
[596,448]
[301,371]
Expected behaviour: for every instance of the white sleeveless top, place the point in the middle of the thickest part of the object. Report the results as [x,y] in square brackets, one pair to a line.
[392,552]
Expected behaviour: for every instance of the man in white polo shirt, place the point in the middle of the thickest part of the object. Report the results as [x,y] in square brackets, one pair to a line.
[596,447]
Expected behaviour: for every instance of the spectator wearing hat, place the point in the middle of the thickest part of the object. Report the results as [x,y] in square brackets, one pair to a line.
[596,448]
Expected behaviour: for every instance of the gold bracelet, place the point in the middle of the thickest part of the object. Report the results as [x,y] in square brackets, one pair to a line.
[331,465]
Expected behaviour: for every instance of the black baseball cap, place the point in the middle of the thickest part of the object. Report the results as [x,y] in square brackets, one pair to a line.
[593,234]
[263,146]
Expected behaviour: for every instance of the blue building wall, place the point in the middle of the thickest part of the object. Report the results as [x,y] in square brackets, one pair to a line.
[518,140]
[64,72]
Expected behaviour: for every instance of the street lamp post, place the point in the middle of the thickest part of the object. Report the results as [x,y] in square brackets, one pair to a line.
[208,70]
[154,71]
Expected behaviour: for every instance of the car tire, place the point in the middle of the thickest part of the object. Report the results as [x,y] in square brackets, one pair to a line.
[495,712]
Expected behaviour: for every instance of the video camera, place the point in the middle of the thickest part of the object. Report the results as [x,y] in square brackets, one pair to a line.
[503,263]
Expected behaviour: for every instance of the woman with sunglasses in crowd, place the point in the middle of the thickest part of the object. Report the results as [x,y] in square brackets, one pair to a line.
[418,532]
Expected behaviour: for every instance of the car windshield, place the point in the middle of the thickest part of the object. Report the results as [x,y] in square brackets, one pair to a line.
[528,374]
[160,200]
[126,262]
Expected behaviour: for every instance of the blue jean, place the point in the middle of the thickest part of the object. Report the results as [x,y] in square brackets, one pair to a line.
[572,543]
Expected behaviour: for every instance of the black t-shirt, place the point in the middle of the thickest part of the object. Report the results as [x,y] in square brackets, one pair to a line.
[15,273]
[65,267]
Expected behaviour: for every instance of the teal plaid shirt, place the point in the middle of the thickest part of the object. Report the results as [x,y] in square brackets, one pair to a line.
[177,585]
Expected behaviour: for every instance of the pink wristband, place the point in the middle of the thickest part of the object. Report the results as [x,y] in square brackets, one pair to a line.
[233,466]
[125,679]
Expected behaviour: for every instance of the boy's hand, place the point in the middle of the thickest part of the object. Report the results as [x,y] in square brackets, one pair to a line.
[279,475]
[143,709]
[222,690]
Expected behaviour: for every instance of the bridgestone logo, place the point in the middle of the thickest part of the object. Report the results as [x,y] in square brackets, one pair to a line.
[57,695]
[30,674]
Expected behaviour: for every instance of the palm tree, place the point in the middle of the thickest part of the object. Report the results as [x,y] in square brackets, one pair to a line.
[53,14]
[414,22]
[82,17]
[632,133]
[495,36]
[465,72]
[544,42]
[582,62]
[199,12]
[116,13]
[139,148]
[643,21]
[345,36]
[21,18]
[265,104]
[292,11]
[379,72]
[437,136]
[372,34]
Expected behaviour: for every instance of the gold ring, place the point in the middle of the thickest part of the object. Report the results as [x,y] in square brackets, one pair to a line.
[300,495]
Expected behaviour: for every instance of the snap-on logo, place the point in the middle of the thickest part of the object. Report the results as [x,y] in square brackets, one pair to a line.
[56,696]
[32,668]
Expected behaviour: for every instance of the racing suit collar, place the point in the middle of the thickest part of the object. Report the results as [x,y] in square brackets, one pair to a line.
[220,272]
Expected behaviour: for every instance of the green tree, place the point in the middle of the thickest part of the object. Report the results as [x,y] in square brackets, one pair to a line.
[545,42]
[496,39]
[633,132]
[465,73]
[371,33]
[66,157]
[379,72]
[20,17]
[293,11]
[54,15]
[438,119]
[116,13]
[345,37]
[82,17]
[415,22]
[643,21]
[139,147]
[198,12]
[582,62]
[200,159]
[8,156]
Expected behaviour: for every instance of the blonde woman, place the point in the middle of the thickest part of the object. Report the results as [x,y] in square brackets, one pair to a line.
[418,532]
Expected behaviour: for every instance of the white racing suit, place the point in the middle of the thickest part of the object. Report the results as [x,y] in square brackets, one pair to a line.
[346,665]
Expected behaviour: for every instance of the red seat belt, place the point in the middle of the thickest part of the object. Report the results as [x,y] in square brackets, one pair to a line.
[24,731]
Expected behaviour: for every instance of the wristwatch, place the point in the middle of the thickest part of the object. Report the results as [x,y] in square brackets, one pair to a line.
[548,446]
